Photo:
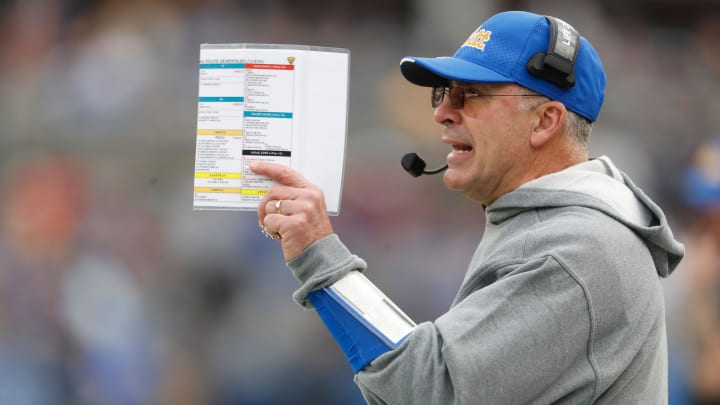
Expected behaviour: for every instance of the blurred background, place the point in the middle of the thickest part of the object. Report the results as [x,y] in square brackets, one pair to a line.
[114,291]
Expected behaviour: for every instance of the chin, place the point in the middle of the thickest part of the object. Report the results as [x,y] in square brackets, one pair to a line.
[452,182]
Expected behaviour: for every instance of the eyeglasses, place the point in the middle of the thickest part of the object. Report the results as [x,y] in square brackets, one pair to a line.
[457,96]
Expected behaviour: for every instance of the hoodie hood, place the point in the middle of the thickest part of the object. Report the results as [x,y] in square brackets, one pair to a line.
[599,185]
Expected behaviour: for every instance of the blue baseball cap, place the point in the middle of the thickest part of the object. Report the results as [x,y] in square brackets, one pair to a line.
[499,51]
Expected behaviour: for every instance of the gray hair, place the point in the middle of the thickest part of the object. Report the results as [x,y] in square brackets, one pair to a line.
[579,128]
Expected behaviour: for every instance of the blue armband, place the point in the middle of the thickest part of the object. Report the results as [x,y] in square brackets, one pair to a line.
[361,319]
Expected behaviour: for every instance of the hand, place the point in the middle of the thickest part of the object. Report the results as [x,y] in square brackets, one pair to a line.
[302,218]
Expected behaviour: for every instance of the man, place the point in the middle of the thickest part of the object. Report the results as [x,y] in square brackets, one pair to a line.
[561,302]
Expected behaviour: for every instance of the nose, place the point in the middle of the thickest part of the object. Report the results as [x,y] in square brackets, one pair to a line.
[446,115]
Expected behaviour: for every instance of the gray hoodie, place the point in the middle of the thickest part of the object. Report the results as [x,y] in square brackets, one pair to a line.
[561,302]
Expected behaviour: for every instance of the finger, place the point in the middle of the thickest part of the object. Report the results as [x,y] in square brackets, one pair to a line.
[273,223]
[276,193]
[280,192]
[285,193]
[282,207]
[270,235]
[262,211]
[282,174]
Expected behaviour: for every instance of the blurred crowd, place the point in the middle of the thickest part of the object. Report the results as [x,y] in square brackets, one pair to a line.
[113,290]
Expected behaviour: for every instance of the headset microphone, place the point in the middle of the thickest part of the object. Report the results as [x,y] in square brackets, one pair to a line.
[415,166]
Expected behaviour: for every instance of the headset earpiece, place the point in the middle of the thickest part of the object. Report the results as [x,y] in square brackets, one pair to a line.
[557,65]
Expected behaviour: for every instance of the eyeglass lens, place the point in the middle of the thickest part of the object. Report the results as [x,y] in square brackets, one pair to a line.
[456,95]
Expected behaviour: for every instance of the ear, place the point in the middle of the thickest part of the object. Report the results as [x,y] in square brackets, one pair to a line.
[549,123]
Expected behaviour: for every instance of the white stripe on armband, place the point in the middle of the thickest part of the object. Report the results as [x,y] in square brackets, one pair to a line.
[364,301]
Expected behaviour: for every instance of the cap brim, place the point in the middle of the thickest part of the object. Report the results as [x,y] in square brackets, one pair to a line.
[431,72]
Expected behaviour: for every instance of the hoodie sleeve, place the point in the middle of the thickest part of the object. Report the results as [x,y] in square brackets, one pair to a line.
[322,264]
[487,348]
[491,349]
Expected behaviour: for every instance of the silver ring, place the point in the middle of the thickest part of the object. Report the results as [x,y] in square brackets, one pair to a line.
[273,236]
[278,206]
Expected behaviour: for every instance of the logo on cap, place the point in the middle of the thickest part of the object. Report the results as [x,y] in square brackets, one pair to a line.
[478,39]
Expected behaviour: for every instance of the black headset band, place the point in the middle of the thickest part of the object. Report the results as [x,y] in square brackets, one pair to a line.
[557,65]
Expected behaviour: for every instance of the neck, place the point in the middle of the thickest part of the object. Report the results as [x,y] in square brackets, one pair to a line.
[547,163]
[543,162]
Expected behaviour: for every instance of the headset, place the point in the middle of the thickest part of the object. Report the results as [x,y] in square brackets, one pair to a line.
[556,65]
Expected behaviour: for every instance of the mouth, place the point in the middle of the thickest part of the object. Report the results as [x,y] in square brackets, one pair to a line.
[461,148]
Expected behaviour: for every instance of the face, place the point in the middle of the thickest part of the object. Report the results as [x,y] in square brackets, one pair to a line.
[489,140]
